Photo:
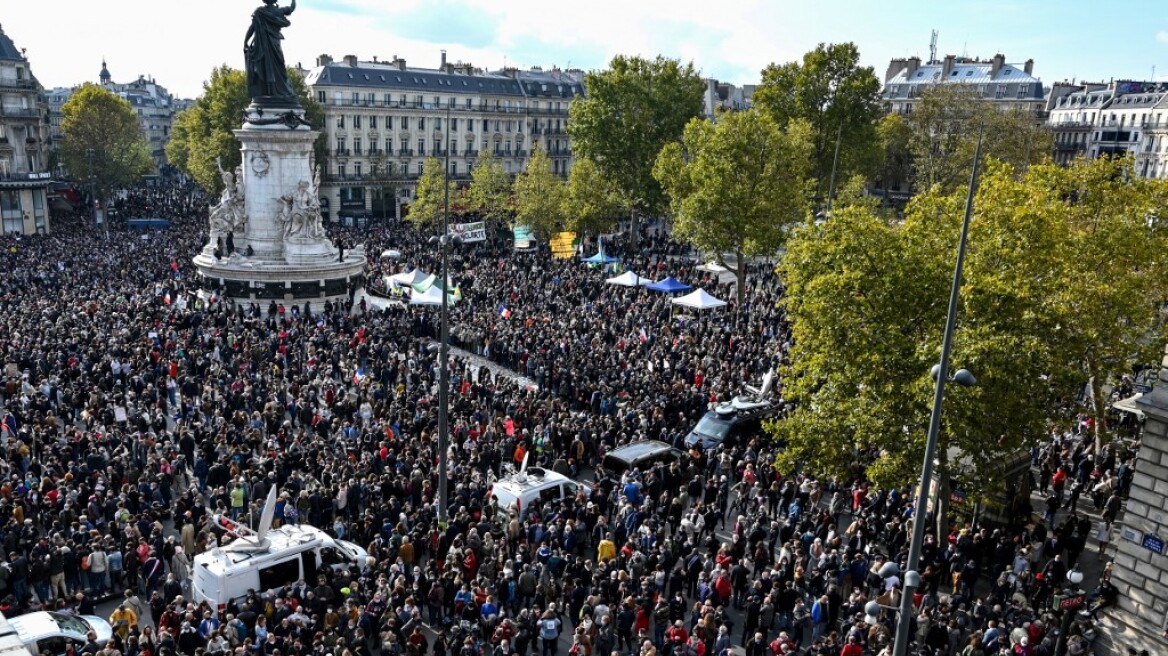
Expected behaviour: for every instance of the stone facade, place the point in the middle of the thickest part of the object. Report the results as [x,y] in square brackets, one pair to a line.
[1140,574]
[24,145]
[384,118]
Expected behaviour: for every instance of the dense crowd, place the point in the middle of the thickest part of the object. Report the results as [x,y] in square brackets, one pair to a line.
[134,411]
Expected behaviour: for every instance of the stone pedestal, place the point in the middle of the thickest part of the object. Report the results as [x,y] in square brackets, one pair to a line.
[1141,574]
[291,261]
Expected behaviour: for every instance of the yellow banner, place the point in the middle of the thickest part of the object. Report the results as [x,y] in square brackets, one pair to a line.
[562,245]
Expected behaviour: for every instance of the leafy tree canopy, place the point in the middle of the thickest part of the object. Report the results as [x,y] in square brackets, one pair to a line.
[737,186]
[838,98]
[103,137]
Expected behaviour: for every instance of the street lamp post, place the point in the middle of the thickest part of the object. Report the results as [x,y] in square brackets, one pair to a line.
[912,577]
[92,188]
[1069,603]
[444,345]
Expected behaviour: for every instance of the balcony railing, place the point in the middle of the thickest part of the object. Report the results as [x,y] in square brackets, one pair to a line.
[1154,125]
[470,153]
[405,152]
[341,152]
[17,84]
[16,112]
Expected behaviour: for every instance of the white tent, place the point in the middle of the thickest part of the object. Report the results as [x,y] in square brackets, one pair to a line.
[432,296]
[407,279]
[628,279]
[698,300]
[724,275]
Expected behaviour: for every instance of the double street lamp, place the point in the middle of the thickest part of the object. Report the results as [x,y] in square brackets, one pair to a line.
[940,374]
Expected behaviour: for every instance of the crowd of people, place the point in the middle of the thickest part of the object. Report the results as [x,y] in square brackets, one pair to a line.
[136,409]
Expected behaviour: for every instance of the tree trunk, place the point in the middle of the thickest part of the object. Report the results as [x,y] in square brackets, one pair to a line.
[740,283]
[941,510]
[1098,404]
[634,233]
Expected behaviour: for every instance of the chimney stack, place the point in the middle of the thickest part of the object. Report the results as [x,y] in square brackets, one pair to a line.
[351,60]
[324,60]
[1029,67]
[996,64]
[947,67]
[443,67]
[913,63]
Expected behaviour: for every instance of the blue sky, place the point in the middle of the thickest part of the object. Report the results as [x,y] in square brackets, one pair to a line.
[179,43]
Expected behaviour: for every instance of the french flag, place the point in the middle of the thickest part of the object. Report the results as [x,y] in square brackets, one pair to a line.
[504,312]
[359,376]
[644,337]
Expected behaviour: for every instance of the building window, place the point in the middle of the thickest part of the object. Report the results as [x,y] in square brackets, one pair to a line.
[405,147]
[356,145]
[422,123]
[469,103]
[320,97]
[405,122]
[388,146]
[340,170]
[10,211]
[421,147]
[340,121]
[357,169]
[357,121]
[454,125]
[372,122]
[356,98]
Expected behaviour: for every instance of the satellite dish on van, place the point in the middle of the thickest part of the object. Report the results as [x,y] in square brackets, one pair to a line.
[266,517]
[522,475]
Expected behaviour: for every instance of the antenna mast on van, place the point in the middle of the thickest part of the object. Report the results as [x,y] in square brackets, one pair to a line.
[246,538]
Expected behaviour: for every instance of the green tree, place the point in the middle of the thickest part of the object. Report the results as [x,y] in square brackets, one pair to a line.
[539,196]
[203,133]
[102,137]
[894,135]
[430,197]
[383,176]
[1117,269]
[1052,273]
[633,108]
[490,189]
[839,98]
[737,185]
[945,124]
[590,204]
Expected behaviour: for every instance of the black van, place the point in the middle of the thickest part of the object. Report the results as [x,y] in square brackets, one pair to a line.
[641,455]
[728,425]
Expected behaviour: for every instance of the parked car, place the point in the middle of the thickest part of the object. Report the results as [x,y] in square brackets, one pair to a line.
[51,632]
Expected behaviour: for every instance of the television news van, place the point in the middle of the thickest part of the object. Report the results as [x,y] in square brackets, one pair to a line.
[266,558]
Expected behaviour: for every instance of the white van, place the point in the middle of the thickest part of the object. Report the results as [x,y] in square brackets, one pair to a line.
[529,484]
[266,559]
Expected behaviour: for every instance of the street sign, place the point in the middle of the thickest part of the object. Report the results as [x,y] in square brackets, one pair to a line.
[1074,602]
[1154,543]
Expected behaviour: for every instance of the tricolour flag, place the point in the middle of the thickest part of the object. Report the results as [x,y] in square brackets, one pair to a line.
[504,312]
[644,337]
[359,376]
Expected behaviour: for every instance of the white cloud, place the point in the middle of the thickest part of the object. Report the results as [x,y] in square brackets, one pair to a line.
[1162,36]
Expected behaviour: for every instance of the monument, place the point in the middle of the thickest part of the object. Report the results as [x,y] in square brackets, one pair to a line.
[266,237]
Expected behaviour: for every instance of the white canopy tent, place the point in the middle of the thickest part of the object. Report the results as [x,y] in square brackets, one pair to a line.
[724,275]
[409,279]
[699,300]
[628,279]
[432,296]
